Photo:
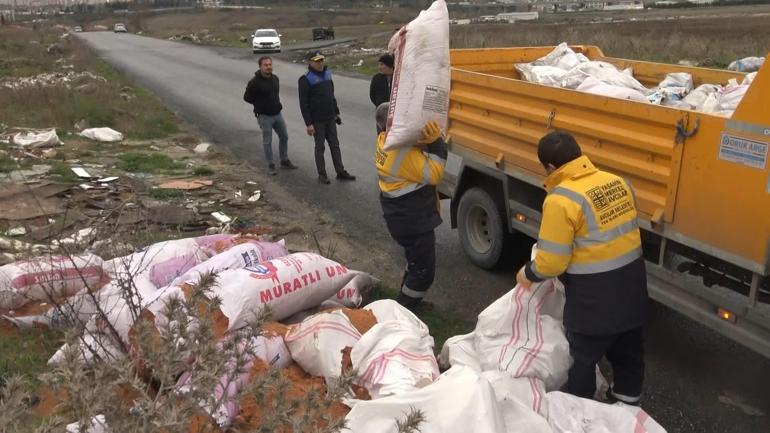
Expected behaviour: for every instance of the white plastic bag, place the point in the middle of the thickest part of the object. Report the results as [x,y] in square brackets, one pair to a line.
[37,138]
[561,57]
[604,72]
[747,64]
[547,75]
[286,285]
[698,97]
[460,401]
[45,279]
[98,425]
[729,98]
[596,87]
[316,344]
[421,77]
[570,414]
[102,134]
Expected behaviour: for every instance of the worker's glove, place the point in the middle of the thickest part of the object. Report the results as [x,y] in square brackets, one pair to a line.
[522,280]
[430,132]
[338,120]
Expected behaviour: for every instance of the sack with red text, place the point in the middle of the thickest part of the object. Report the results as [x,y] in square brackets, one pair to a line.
[421,76]
[50,278]
[285,286]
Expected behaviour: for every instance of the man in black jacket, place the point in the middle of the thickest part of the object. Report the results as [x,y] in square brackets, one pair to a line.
[379,89]
[262,93]
[321,115]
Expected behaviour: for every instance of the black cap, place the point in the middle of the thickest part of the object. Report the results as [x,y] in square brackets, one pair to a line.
[387,60]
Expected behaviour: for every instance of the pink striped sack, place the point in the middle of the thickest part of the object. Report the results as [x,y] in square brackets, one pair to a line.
[522,334]
[567,414]
[396,355]
[316,344]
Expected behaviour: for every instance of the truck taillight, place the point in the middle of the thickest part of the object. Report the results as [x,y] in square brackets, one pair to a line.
[726,315]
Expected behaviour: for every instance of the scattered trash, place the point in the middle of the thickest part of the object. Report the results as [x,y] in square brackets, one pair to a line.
[81,173]
[256,196]
[107,179]
[747,64]
[16,231]
[68,80]
[186,185]
[37,138]
[107,135]
[202,148]
[221,217]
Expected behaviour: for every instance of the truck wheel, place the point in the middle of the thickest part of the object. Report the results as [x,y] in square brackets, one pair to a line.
[481,225]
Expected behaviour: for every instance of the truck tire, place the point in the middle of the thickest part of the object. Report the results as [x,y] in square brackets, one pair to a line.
[482,229]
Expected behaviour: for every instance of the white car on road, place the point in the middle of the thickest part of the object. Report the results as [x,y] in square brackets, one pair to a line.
[266,40]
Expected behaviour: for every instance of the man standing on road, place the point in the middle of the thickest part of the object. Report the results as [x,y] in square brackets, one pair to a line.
[382,82]
[589,237]
[407,180]
[262,93]
[322,115]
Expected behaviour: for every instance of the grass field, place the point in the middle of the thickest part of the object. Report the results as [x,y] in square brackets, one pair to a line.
[111,101]
[712,42]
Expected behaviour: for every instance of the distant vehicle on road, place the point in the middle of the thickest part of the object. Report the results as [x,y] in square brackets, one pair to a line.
[120,28]
[78,29]
[323,33]
[266,40]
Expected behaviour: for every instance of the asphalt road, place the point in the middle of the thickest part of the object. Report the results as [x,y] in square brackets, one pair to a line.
[697,381]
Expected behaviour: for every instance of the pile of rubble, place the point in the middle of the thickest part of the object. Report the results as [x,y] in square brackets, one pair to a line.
[202,37]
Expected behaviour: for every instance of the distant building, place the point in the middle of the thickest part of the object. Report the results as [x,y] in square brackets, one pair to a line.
[512,17]
[621,5]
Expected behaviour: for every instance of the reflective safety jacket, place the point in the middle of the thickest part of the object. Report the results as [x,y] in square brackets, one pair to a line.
[407,179]
[589,235]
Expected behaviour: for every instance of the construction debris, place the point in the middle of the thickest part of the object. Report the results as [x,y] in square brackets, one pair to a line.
[69,80]
[186,185]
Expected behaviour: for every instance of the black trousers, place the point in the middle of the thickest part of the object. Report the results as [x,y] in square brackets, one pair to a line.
[624,351]
[420,252]
[326,131]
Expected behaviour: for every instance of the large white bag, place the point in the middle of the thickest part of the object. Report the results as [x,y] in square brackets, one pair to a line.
[570,414]
[421,78]
[547,75]
[460,401]
[316,344]
[48,278]
[596,87]
[522,333]
[286,285]
[102,134]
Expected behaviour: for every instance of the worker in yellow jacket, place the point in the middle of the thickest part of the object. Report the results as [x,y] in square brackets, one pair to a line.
[589,237]
[407,180]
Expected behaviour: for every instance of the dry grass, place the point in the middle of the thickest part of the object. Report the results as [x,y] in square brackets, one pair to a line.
[714,42]
[115,103]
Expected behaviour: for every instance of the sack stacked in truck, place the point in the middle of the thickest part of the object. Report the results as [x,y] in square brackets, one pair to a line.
[564,68]
[421,78]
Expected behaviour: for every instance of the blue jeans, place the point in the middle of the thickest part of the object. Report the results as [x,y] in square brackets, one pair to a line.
[268,124]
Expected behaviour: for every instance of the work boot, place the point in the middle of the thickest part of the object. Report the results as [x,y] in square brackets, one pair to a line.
[323,179]
[344,175]
[288,165]
[408,302]
[271,169]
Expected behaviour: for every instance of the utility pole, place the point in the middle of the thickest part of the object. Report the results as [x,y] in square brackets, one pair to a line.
[13,12]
